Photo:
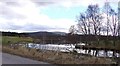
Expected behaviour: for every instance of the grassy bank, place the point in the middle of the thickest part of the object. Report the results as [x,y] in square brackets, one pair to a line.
[55,57]
[105,44]
[48,56]
[14,39]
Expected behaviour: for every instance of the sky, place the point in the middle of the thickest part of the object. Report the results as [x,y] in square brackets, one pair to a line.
[43,15]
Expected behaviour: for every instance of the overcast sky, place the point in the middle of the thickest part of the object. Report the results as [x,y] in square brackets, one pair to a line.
[43,15]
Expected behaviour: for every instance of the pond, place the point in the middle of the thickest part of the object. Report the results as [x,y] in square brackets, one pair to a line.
[70,47]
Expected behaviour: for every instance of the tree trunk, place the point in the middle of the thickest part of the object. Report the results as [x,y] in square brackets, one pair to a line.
[106,54]
[93,52]
[96,53]
[89,51]
[113,53]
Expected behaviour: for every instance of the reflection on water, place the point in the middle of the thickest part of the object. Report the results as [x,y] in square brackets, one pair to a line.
[70,47]
[101,53]
[55,47]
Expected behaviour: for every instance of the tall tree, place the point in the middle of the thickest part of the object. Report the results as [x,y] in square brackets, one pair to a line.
[112,23]
[89,23]
[107,11]
[113,27]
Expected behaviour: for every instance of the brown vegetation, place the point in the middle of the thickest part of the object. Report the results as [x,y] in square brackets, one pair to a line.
[55,57]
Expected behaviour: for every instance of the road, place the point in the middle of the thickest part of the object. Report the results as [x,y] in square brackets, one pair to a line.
[13,59]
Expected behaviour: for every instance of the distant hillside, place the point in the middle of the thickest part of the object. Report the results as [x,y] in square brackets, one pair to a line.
[44,37]
[60,33]
[46,34]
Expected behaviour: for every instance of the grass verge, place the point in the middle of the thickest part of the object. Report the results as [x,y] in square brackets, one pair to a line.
[55,57]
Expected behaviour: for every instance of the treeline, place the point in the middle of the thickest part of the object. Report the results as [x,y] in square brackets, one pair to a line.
[14,34]
[75,38]
[48,37]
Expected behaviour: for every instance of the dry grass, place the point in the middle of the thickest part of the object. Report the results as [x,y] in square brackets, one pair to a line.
[0,47]
[55,57]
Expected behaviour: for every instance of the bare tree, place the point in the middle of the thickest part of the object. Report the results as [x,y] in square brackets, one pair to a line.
[112,24]
[114,27]
[72,35]
[89,23]
[72,30]
[107,10]
[96,19]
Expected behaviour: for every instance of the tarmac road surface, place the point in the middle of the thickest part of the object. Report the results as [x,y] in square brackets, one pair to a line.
[13,59]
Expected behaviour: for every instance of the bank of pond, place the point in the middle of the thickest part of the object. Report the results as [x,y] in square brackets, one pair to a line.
[72,48]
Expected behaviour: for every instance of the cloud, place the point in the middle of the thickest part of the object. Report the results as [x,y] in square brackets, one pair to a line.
[25,15]
[73,3]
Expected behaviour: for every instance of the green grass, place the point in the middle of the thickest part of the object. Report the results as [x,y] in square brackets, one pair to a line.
[106,44]
[12,40]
